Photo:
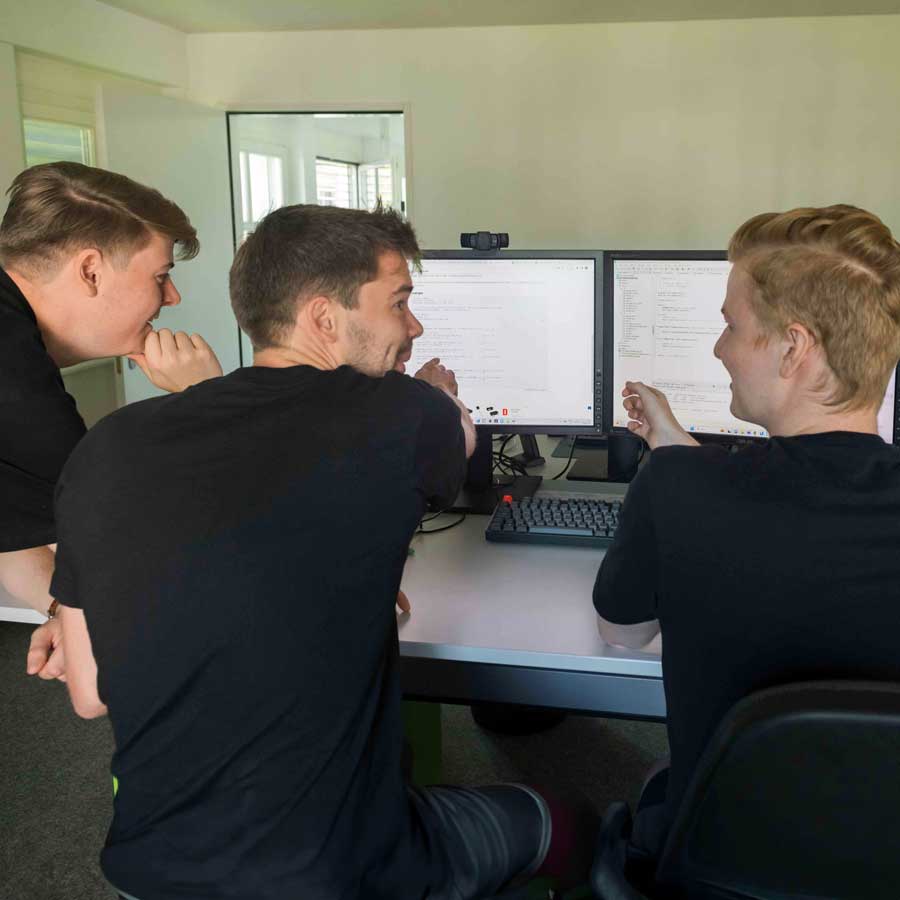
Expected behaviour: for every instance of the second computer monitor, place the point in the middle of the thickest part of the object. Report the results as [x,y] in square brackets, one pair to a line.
[521,330]
[663,318]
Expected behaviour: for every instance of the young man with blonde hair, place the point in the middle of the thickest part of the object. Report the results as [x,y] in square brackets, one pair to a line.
[86,260]
[779,562]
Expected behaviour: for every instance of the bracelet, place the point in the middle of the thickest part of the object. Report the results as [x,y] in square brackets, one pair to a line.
[52,608]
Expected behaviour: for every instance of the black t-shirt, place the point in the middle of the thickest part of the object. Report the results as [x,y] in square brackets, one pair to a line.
[775,564]
[39,425]
[237,550]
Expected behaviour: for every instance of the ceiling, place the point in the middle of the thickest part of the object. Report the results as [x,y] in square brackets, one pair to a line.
[195,16]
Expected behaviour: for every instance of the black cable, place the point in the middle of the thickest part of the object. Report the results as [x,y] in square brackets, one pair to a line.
[568,462]
[508,465]
[459,521]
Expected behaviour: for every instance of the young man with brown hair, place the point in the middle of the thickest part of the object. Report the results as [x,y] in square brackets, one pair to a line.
[779,562]
[240,630]
[86,259]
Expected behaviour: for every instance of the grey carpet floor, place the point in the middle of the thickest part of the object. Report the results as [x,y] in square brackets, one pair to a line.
[55,791]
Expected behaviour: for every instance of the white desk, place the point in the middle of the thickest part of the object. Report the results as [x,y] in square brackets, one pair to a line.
[514,623]
[12,610]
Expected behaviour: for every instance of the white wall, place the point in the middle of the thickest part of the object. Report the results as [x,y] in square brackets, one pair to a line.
[624,135]
[12,148]
[84,32]
[97,35]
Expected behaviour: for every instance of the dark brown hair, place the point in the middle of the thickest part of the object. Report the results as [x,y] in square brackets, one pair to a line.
[298,252]
[835,270]
[61,207]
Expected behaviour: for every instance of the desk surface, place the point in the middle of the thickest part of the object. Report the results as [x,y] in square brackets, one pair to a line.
[507,604]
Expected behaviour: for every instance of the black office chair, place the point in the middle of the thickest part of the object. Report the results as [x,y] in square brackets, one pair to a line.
[796,796]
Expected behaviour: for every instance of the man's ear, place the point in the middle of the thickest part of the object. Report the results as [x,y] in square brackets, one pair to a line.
[322,316]
[88,265]
[799,345]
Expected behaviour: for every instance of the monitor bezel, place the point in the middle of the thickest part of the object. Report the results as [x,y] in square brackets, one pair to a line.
[612,394]
[597,257]
[895,436]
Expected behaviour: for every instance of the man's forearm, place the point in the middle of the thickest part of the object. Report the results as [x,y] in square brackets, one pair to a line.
[81,667]
[632,637]
[465,420]
[26,575]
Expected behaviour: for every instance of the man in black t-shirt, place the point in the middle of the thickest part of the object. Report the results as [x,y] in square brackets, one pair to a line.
[86,257]
[228,584]
[779,562]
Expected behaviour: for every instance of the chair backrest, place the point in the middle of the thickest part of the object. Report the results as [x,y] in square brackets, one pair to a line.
[796,796]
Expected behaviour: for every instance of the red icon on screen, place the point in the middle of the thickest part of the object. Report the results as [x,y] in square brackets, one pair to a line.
[505,411]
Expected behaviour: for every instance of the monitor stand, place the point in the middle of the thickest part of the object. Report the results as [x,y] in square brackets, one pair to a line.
[612,458]
[589,465]
[482,490]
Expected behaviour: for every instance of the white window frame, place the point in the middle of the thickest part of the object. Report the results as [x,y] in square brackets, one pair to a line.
[88,139]
[352,177]
[270,152]
[364,200]
[407,182]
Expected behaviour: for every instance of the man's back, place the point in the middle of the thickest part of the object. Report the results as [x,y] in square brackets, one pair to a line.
[237,551]
[775,564]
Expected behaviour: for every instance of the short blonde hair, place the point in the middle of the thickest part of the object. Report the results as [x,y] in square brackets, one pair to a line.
[62,207]
[835,270]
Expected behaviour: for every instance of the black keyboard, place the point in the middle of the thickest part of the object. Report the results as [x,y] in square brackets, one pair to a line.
[573,519]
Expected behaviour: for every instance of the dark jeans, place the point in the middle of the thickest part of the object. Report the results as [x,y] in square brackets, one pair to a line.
[487,836]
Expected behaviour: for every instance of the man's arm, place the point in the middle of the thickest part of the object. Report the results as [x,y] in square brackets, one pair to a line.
[651,417]
[641,636]
[626,586]
[468,426]
[81,668]
[440,376]
[26,575]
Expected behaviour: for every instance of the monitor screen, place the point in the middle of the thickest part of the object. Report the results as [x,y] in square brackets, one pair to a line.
[889,414]
[663,318]
[665,312]
[520,330]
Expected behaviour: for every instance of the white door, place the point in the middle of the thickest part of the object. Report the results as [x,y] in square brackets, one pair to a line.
[182,150]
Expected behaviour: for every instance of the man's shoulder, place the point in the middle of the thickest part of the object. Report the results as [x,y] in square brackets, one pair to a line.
[119,430]
[21,346]
[680,461]
[416,393]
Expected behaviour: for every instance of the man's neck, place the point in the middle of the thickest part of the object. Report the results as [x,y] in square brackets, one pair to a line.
[57,347]
[864,421]
[284,357]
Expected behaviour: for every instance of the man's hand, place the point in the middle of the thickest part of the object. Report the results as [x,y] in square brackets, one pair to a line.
[45,654]
[174,362]
[403,602]
[439,376]
[652,417]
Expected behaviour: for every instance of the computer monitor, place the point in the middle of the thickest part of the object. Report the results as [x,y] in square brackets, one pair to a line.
[662,318]
[889,414]
[521,330]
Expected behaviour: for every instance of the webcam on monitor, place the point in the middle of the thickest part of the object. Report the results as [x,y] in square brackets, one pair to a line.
[483,240]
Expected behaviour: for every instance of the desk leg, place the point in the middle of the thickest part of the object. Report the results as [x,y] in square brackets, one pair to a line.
[422,724]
